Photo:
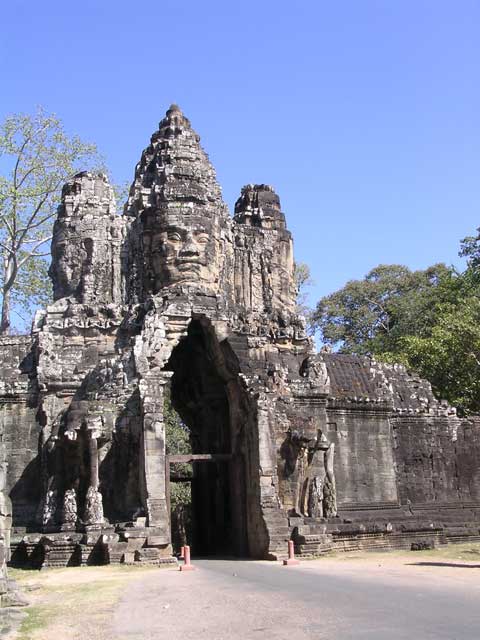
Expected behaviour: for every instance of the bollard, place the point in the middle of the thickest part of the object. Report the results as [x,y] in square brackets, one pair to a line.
[291,555]
[188,566]
[182,553]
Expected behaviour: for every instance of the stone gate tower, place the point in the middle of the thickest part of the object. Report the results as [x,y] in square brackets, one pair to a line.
[177,295]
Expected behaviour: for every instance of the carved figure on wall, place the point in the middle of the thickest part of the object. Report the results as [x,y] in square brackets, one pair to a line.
[315,498]
[65,463]
[69,509]
[93,507]
[322,496]
[94,503]
[291,451]
[75,419]
[315,371]
[86,241]
[49,507]
[315,492]
[49,460]
[295,451]
[329,490]
[68,260]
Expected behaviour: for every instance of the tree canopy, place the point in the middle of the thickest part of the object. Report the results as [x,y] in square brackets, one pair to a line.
[37,158]
[304,281]
[428,320]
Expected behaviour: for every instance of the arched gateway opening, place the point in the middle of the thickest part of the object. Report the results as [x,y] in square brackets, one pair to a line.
[206,394]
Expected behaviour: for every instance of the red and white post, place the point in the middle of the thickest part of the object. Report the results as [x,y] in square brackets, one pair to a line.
[291,555]
[188,566]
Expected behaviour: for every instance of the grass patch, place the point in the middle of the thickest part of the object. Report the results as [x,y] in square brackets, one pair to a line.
[469,551]
[465,551]
[38,618]
[71,601]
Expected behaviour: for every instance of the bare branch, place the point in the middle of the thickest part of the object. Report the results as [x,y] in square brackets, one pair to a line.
[32,253]
[43,157]
[7,248]
[35,226]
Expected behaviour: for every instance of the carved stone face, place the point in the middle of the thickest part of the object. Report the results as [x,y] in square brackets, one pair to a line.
[68,257]
[186,252]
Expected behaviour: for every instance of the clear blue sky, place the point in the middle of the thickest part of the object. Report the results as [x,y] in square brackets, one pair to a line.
[363,114]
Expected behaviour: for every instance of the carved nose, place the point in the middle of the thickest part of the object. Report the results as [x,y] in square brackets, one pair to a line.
[189,249]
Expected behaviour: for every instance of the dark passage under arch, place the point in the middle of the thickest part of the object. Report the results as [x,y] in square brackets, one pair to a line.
[205,393]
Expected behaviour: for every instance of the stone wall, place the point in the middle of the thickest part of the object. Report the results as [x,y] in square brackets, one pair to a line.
[364,460]
[5,521]
[437,459]
[18,410]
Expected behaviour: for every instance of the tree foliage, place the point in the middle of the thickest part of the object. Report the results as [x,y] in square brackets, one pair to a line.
[369,315]
[449,355]
[177,441]
[304,281]
[37,158]
[428,320]
[470,249]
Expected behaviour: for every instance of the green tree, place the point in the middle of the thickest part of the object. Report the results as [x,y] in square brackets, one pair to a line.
[449,356]
[370,315]
[428,320]
[177,441]
[470,249]
[304,281]
[37,158]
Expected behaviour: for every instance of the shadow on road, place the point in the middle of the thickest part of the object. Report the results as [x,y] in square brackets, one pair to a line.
[445,564]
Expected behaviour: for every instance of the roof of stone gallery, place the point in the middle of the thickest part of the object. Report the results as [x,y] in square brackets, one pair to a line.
[349,375]
[360,378]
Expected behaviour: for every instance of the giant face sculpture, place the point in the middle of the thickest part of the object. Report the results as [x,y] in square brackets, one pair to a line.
[68,258]
[184,250]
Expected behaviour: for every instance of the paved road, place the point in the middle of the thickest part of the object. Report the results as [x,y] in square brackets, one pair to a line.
[326,599]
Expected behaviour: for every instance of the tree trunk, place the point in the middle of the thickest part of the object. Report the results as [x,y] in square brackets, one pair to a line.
[5,321]
[9,274]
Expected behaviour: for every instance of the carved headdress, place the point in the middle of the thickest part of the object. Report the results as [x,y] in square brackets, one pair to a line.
[177,202]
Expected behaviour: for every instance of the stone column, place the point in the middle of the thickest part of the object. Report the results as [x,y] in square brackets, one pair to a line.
[5,523]
[152,467]
[93,504]
[9,596]
[69,511]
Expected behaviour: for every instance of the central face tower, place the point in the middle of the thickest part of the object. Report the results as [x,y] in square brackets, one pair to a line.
[181,222]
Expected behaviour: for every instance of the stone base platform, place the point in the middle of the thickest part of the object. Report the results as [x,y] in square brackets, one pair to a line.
[127,543]
[387,527]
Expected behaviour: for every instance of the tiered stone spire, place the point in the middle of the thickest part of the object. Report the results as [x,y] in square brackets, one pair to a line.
[180,223]
[174,169]
[259,206]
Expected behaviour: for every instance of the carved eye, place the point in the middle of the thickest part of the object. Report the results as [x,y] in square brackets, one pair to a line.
[202,239]
[174,237]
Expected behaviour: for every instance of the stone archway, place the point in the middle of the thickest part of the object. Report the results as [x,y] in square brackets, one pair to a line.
[206,394]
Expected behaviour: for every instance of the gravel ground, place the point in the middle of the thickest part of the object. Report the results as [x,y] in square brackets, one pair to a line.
[378,597]
[399,596]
